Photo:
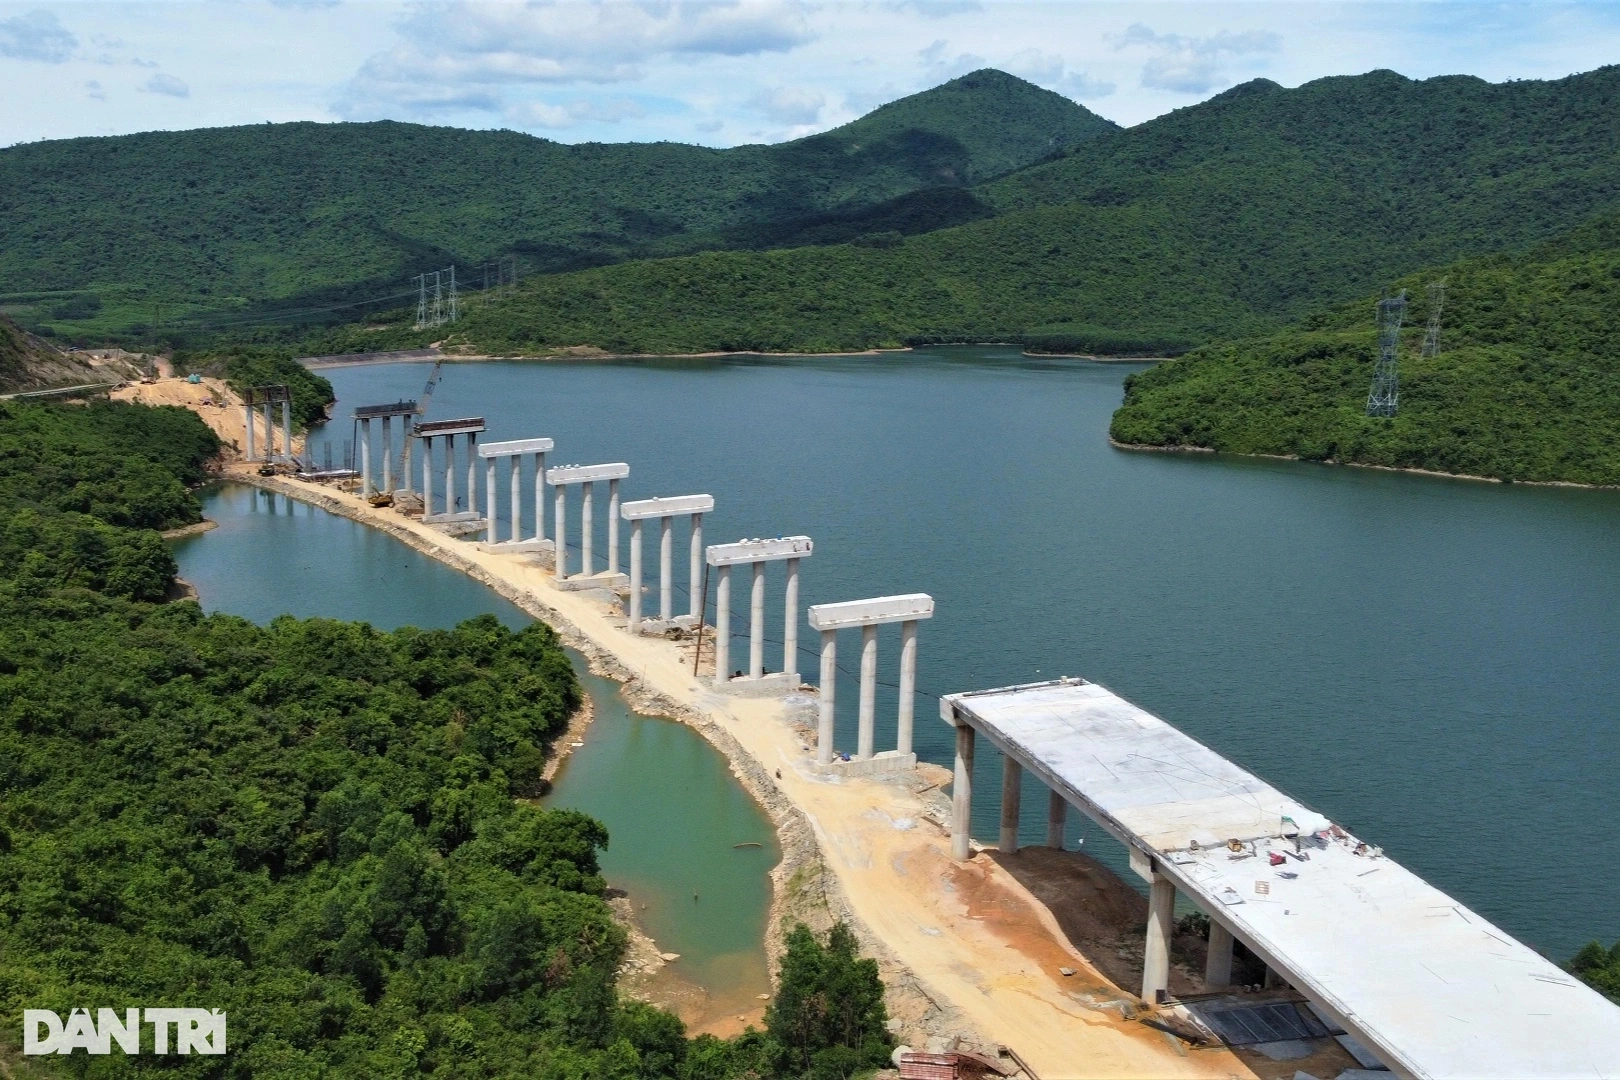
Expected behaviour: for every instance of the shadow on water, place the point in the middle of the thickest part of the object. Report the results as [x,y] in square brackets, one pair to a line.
[672,808]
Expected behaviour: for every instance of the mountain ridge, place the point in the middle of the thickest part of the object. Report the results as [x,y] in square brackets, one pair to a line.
[1231,217]
[225,218]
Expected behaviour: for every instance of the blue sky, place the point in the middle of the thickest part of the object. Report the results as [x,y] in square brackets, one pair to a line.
[718,73]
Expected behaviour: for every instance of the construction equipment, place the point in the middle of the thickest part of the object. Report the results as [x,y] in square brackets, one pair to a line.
[1384,397]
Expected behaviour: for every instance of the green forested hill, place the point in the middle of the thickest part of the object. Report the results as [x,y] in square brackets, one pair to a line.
[323,830]
[99,231]
[1237,215]
[1526,385]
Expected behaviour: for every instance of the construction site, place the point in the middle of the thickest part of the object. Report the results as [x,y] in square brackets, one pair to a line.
[1270,941]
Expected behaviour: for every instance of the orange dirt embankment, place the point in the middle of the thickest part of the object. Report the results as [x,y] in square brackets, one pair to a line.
[965,949]
[219,406]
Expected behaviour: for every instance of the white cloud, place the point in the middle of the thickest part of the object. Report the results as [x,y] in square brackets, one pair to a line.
[167,84]
[446,46]
[1052,71]
[1194,65]
[790,105]
[306,5]
[96,92]
[38,35]
[938,67]
[937,9]
[530,114]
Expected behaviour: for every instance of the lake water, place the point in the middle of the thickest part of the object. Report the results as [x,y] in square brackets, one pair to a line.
[673,811]
[1427,661]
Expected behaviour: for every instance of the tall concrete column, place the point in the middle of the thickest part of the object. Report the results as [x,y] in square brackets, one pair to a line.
[790,627]
[666,568]
[514,466]
[540,496]
[696,569]
[427,475]
[559,521]
[472,472]
[962,796]
[1057,812]
[405,454]
[756,623]
[828,689]
[722,626]
[1156,957]
[908,684]
[587,526]
[388,454]
[635,575]
[449,474]
[868,714]
[1012,793]
[1218,966]
[247,418]
[286,429]
[613,527]
[489,499]
[365,458]
[269,435]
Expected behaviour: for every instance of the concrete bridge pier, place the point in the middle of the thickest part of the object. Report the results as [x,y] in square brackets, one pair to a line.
[388,454]
[512,452]
[365,458]
[458,522]
[665,510]
[868,615]
[561,478]
[755,554]
[427,474]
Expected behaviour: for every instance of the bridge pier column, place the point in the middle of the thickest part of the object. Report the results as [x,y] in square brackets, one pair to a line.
[1012,783]
[1057,811]
[1218,967]
[1156,956]
[962,796]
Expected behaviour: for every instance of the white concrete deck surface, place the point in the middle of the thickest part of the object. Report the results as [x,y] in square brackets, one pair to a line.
[1432,987]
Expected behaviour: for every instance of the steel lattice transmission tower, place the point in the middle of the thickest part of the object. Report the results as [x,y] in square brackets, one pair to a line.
[441,308]
[1437,301]
[1386,385]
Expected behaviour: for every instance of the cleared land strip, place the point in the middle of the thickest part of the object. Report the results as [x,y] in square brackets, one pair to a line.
[972,939]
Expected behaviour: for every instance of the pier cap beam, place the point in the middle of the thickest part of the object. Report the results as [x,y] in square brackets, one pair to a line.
[667,506]
[466,425]
[398,408]
[908,607]
[745,552]
[515,446]
[585,474]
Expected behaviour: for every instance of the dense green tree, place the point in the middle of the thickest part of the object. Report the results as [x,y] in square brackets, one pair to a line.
[1235,216]
[1526,385]
[827,1020]
[1599,968]
[283,222]
[316,826]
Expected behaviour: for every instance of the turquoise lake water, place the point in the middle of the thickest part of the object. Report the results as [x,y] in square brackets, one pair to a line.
[674,814]
[1427,661]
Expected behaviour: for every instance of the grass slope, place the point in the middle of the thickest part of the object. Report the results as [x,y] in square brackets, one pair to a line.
[99,230]
[1234,216]
[1526,386]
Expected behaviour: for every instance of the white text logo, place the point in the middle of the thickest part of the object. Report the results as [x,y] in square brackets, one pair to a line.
[198,1031]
